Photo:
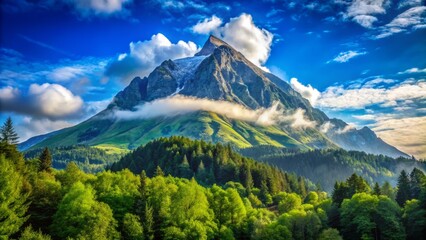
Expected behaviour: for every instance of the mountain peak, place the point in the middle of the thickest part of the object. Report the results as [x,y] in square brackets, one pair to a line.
[210,45]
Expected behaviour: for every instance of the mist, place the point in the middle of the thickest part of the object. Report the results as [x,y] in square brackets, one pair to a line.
[180,105]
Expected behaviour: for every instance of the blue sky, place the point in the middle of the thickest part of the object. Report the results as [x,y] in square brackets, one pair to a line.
[361,61]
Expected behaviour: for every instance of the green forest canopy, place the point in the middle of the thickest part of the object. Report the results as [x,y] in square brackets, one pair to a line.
[39,203]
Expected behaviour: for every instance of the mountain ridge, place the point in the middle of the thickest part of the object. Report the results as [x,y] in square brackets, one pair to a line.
[217,72]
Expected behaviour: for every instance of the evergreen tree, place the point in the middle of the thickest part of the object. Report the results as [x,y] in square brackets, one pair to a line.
[404,191]
[8,133]
[45,160]
[388,190]
[159,171]
[143,185]
[417,178]
[376,189]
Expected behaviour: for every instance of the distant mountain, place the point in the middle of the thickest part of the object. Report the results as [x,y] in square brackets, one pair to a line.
[217,72]
[326,166]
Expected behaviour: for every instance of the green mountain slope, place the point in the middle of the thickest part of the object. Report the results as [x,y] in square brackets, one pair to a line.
[208,126]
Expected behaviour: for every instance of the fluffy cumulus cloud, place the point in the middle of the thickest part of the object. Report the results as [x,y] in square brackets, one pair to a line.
[52,101]
[144,56]
[410,20]
[307,92]
[207,25]
[346,56]
[178,105]
[99,7]
[363,11]
[242,33]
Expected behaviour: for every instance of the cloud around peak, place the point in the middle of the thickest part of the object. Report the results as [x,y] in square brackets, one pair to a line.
[307,92]
[181,105]
[242,33]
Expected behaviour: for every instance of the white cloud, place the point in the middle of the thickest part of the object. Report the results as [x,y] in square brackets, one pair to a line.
[307,92]
[100,7]
[207,26]
[346,56]
[413,70]
[411,19]
[47,100]
[30,127]
[326,126]
[246,37]
[377,82]
[409,3]
[346,129]
[144,56]
[363,11]
[338,97]
[408,134]
[242,34]
[366,117]
[179,105]
[365,20]
[8,93]
[66,73]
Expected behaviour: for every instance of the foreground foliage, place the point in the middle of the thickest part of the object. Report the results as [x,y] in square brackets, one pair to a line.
[44,203]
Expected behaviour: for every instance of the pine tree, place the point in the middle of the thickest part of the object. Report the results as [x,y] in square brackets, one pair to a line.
[159,171]
[8,133]
[143,187]
[388,190]
[404,192]
[417,178]
[376,189]
[45,160]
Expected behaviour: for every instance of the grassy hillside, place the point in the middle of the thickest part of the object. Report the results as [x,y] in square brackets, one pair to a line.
[101,131]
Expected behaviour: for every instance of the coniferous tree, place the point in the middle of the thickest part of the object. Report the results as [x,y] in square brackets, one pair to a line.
[159,171]
[8,133]
[376,189]
[404,192]
[417,178]
[45,160]
[388,190]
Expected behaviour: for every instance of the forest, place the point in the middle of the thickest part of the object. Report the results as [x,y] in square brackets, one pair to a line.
[40,202]
[177,188]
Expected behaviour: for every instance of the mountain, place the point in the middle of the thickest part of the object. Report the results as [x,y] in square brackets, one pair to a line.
[326,166]
[218,73]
